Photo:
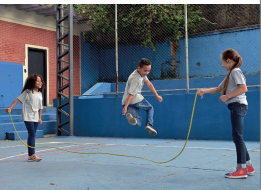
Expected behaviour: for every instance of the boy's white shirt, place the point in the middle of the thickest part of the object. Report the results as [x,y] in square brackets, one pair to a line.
[133,86]
[32,103]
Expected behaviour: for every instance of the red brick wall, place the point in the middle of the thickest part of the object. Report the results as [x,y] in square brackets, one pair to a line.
[12,49]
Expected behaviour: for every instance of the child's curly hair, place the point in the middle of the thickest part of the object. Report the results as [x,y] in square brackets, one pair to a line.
[29,83]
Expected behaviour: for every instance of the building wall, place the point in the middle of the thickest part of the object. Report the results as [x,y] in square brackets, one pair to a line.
[19,27]
[31,18]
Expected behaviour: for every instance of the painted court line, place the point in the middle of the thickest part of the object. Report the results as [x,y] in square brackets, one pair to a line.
[36,143]
[205,148]
[42,151]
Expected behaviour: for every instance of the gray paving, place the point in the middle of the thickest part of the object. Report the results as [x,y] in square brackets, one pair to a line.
[202,165]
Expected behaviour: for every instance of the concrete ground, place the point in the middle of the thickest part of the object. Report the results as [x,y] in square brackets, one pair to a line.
[202,165]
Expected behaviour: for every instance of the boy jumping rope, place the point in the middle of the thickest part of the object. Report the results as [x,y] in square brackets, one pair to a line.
[233,89]
[133,101]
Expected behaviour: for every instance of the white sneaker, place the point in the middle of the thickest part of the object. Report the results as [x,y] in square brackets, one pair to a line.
[150,129]
[131,119]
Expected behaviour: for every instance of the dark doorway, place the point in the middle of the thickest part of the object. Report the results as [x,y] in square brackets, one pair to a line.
[37,64]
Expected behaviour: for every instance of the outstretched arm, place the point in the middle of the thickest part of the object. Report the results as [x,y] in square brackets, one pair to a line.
[152,89]
[209,91]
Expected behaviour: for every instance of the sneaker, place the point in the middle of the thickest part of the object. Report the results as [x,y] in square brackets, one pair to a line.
[131,119]
[239,173]
[250,169]
[150,129]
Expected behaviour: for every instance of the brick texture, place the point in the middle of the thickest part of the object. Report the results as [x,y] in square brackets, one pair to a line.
[12,49]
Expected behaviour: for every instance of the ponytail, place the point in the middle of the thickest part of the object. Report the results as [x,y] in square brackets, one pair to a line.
[233,55]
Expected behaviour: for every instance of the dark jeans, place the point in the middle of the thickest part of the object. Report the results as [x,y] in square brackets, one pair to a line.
[31,128]
[134,109]
[237,113]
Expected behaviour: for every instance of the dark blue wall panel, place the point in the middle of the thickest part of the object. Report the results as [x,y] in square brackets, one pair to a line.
[11,83]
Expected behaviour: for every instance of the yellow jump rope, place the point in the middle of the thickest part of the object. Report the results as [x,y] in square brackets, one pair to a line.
[114,153]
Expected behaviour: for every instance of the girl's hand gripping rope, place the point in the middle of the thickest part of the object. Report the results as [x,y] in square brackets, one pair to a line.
[8,110]
[200,93]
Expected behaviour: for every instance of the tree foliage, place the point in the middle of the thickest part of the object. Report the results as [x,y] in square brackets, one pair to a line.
[139,23]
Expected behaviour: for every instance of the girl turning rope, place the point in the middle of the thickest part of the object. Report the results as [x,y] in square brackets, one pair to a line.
[233,89]
[31,98]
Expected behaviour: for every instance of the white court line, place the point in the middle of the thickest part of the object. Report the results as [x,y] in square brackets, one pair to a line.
[205,148]
[35,151]
[35,143]
[76,144]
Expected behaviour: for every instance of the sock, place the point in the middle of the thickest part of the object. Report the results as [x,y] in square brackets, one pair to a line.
[241,165]
[248,162]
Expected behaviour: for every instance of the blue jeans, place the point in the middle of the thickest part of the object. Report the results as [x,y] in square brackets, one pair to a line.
[237,113]
[134,110]
[31,128]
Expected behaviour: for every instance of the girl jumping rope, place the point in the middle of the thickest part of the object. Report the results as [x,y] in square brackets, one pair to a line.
[31,98]
[233,89]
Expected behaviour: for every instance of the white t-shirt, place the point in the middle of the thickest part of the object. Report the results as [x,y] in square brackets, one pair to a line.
[32,102]
[133,86]
[236,77]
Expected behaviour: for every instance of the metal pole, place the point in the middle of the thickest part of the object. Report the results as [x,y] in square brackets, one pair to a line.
[58,69]
[62,41]
[116,49]
[71,116]
[186,39]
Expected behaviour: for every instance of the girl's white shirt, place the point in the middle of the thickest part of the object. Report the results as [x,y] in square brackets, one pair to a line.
[32,103]
[236,77]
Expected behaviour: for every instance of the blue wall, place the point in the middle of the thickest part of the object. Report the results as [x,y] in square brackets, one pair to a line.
[89,65]
[11,83]
[206,82]
[99,64]
[102,117]
[206,50]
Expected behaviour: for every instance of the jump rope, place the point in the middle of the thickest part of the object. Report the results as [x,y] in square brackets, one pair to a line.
[114,153]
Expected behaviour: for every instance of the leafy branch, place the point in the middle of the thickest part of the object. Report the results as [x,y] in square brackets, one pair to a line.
[138,23]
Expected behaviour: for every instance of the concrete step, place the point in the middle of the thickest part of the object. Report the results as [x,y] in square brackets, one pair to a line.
[11,135]
[48,127]
[15,111]
[18,111]
[17,118]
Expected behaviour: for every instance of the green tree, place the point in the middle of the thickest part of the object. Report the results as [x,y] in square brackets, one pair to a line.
[144,24]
